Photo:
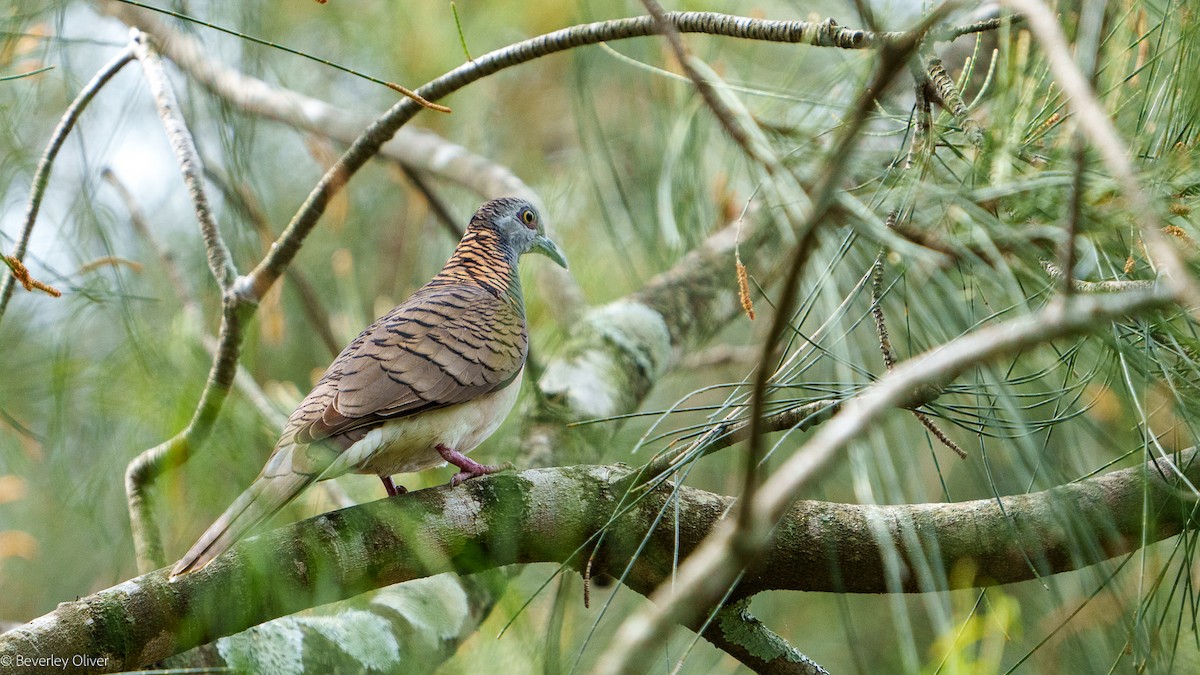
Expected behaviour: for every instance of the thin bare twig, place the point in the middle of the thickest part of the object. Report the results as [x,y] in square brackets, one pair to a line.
[41,176]
[948,94]
[1081,286]
[29,73]
[922,140]
[1091,21]
[436,204]
[186,155]
[1074,214]
[889,353]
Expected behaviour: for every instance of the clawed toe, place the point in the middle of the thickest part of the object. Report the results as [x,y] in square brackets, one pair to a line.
[391,487]
[469,467]
[479,470]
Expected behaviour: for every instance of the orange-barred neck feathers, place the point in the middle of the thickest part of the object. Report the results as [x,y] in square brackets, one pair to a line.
[500,232]
[481,258]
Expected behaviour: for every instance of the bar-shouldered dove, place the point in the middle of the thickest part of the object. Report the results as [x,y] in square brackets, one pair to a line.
[424,384]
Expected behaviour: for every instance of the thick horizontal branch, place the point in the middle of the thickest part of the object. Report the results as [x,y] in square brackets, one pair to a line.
[721,560]
[547,515]
[409,628]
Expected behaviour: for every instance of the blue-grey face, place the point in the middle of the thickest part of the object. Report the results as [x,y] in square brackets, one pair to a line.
[520,225]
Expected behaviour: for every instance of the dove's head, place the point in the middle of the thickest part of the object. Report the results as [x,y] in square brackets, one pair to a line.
[519,225]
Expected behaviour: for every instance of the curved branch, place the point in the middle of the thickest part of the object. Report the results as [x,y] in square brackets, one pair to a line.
[412,148]
[41,176]
[715,565]
[548,514]
[824,34]
[150,464]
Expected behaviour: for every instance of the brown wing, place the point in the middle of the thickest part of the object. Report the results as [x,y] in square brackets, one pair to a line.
[444,345]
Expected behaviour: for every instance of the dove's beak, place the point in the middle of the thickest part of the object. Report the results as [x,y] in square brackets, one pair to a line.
[542,244]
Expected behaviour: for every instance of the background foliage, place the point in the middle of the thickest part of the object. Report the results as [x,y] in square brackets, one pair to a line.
[635,172]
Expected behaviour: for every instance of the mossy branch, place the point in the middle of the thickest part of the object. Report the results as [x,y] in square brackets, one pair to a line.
[550,515]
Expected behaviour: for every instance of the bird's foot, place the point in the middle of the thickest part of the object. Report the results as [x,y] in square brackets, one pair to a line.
[478,470]
[391,487]
[469,467]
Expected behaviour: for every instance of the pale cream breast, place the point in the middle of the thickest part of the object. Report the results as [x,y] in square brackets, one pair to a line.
[408,444]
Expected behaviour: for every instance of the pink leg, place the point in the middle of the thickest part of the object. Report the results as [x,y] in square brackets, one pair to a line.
[392,488]
[469,467]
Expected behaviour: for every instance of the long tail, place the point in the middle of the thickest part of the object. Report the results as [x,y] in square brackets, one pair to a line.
[263,499]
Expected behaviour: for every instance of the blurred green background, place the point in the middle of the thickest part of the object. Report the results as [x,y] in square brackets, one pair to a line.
[634,172]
